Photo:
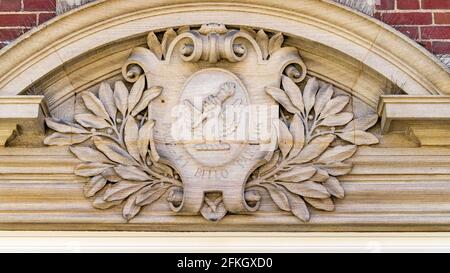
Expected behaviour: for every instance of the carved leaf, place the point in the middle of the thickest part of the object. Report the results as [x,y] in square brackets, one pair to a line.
[281,97]
[285,141]
[315,148]
[111,175]
[147,97]
[89,155]
[275,42]
[293,92]
[309,94]
[114,152]
[297,130]
[121,97]
[106,96]
[64,127]
[334,187]
[95,184]
[168,38]
[298,207]
[263,41]
[149,195]
[271,164]
[362,123]
[359,137]
[131,135]
[153,152]
[144,138]
[91,121]
[90,169]
[322,204]
[249,31]
[136,93]
[94,105]
[337,154]
[183,29]
[130,209]
[308,189]
[154,45]
[278,197]
[323,97]
[320,176]
[338,119]
[334,106]
[297,174]
[131,173]
[65,139]
[99,203]
[337,169]
[122,190]
[162,169]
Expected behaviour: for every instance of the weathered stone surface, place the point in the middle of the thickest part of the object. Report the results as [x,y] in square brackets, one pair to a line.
[322,161]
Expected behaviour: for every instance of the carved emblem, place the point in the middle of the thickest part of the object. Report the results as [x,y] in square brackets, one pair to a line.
[201,126]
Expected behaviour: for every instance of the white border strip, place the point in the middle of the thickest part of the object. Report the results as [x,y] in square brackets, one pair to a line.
[222,242]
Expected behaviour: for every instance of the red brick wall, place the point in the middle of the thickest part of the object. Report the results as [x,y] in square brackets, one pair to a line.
[426,21]
[18,16]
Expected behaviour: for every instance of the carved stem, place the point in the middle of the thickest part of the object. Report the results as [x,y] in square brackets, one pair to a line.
[162,178]
[287,162]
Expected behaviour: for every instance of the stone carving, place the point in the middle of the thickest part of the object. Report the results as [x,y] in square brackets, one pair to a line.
[122,163]
[144,144]
[304,167]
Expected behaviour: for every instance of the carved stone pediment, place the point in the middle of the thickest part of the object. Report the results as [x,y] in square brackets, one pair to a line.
[214,117]
[263,121]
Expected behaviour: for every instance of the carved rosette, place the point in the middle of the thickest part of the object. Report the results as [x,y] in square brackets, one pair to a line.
[131,158]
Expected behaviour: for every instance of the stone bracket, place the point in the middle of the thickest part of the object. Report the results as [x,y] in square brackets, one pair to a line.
[21,114]
[426,119]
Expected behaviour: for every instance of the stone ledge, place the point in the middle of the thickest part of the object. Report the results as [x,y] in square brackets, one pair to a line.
[21,114]
[425,119]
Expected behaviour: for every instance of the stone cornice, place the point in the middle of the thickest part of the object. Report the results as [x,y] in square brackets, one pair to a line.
[426,119]
[21,114]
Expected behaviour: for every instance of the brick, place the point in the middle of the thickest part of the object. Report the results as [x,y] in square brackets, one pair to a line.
[43,17]
[408,4]
[442,18]
[435,32]
[411,32]
[441,47]
[377,15]
[39,5]
[10,5]
[408,18]
[427,44]
[21,20]
[436,4]
[8,34]
[385,4]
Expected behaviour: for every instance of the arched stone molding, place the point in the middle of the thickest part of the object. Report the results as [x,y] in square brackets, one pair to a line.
[373,45]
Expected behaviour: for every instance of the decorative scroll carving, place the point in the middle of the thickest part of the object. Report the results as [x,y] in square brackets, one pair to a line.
[144,144]
[121,162]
